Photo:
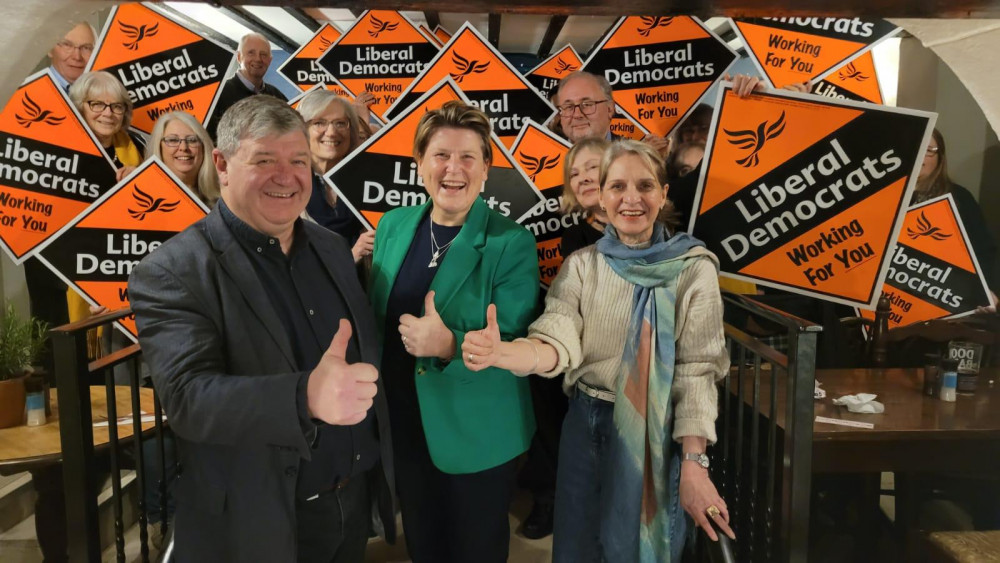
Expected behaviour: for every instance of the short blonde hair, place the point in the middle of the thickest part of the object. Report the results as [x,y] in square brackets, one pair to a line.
[92,84]
[653,163]
[569,202]
[208,178]
[458,115]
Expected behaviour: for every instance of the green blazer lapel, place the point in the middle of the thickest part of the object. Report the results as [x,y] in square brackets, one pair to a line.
[463,257]
[396,243]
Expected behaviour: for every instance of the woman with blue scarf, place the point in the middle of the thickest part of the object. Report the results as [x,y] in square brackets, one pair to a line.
[635,323]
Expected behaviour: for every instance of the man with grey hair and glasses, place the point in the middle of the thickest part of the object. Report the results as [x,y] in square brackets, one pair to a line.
[254,58]
[263,349]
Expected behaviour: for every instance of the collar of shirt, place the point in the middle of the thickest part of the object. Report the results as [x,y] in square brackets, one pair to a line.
[248,84]
[60,79]
[255,241]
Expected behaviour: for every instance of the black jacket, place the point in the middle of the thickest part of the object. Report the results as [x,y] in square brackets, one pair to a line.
[233,91]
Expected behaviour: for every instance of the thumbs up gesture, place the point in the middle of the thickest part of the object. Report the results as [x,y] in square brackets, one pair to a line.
[427,336]
[339,392]
[480,347]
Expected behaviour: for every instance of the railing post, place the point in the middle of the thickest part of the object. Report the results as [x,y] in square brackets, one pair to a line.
[797,484]
[77,438]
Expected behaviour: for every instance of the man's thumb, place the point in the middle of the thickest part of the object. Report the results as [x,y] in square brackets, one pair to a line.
[338,347]
[491,317]
[429,308]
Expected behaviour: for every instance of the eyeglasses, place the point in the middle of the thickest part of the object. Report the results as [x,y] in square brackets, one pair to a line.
[86,49]
[97,106]
[322,124]
[931,151]
[587,107]
[174,142]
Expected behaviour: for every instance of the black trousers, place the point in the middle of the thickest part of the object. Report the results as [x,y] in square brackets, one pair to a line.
[333,528]
[450,518]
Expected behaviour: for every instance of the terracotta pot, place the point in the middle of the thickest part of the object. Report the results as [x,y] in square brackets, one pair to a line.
[11,402]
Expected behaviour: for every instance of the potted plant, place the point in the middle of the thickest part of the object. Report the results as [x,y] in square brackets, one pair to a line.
[21,343]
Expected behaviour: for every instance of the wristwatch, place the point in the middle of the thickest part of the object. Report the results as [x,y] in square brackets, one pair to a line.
[699,458]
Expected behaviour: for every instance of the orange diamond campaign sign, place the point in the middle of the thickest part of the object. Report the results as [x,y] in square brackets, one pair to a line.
[794,50]
[381,53]
[546,76]
[543,155]
[164,65]
[934,272]
[51,166]
[807,194]
[302,70]
[487,79]
[429,34]
[96,252]
[381,174]
[857,80]
[442,34]
[659,67]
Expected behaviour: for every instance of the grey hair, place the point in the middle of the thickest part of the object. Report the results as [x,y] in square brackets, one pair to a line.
[601,82]
[252,35]
[96,83]
[256,117]
[208,178]
[316,102]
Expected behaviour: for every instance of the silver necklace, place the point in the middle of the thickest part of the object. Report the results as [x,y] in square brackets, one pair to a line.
[436,249]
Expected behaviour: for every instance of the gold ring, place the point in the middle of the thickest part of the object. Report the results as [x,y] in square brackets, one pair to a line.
[404,340]
[713,511]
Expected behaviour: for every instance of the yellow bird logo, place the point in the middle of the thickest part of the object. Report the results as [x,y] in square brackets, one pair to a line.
[652,23]
[136,34]
[755,139]
[36,114]
[535,166]
[466,67]
[926,229]
[148,204]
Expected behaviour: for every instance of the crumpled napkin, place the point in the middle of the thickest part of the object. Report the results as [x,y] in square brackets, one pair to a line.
[819,393]
[863,403]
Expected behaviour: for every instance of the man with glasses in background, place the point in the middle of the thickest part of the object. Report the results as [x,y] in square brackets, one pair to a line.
[254,57]
[71,54]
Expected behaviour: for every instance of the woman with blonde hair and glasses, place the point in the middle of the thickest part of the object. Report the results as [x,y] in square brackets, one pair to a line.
[184,146]
[635,323]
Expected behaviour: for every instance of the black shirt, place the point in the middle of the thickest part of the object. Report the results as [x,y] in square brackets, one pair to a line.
[310,307]
[233,90]
[338,218]
[578,236]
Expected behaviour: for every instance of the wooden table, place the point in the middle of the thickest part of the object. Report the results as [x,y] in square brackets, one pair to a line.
[915,433]
[24,447]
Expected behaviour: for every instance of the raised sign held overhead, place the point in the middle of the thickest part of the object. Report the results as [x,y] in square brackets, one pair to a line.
[933,271]
[546,76]
[659,67]
[96,252]
[805,193]
[795,50]
[164,65]
[381,53]
[543,156]
[302,70]
[857,80]
[487,79]
[381,175]
[51,166]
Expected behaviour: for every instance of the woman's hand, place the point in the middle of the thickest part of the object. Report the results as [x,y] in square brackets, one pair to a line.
[802,87]
[698,494]
[427,336]
[990,309]
[122,172]
[362,104]
[364,246]
[480,347]
[744,84]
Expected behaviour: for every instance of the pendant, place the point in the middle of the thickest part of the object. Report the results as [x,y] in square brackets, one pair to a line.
[434,260]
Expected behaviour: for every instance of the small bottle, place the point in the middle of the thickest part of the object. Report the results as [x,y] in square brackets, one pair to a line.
[35,401]
[931,374]
[949,379]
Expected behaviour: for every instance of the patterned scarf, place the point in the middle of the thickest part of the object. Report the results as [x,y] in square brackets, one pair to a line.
[636,521]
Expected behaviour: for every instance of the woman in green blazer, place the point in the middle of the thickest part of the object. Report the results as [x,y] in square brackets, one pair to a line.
[436,268]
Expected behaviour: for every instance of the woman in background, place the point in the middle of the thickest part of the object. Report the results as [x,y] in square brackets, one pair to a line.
[182,144]
[581,194]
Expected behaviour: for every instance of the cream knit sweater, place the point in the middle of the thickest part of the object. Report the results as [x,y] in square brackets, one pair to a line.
[586,318]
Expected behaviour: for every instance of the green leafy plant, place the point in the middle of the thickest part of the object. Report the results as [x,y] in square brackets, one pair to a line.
[21,343]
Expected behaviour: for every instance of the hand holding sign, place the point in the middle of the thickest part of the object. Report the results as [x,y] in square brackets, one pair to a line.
[338,392]
[427,336]
[480,349]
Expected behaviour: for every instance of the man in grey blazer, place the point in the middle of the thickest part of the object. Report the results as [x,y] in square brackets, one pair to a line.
[263,350]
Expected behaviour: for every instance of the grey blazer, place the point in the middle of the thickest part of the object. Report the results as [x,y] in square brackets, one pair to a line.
[223,368]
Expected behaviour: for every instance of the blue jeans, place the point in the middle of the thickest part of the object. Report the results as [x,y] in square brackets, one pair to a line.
[585,475]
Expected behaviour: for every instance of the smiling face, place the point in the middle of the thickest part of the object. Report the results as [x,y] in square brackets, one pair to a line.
[633,198]
[930,159]
[453,170]
[576,125]
[267,182]
[254,58]
[70,55]
[186,158]
[584,176]
[329,136]
[106,122]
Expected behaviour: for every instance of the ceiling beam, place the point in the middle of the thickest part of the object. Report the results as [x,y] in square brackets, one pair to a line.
[198,27]
[433,19]
[552,32]
[305,19]
[248,20]
[700,8]
[493,30]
